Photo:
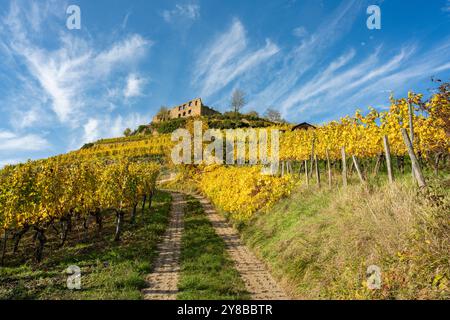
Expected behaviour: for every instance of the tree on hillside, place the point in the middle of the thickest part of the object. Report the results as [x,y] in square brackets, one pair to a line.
[253,114]
[162,111]
[127,132]
[273,115]
[238,100]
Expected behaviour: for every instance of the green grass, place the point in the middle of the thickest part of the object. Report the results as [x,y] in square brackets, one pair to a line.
[206,270]
[319,243]
[109,270]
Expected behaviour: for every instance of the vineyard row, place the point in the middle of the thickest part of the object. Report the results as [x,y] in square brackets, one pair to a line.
[37,196]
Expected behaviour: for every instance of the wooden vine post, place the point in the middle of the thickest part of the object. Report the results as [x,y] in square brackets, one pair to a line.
[317,170]
[119,221]
[300,167]
[288,167]
[306,173]
[437,158]
[144,200]
[411,131]
[329,169]
[150,198]
[387,151]
[312,158]
[377,165]
[350,169]
[5,239]
[358,169]
[415,163]
[344,167]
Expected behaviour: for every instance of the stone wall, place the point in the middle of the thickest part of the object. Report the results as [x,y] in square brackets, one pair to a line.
[191,108]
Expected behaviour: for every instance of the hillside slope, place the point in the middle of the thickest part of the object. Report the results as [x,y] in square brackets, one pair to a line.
[320,243]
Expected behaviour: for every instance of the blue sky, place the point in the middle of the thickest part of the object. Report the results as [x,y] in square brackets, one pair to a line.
[312,60]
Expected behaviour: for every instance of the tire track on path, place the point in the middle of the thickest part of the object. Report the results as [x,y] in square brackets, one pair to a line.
[163,281]
[258,281]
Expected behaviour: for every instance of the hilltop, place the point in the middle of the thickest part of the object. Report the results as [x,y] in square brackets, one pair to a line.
[227,120]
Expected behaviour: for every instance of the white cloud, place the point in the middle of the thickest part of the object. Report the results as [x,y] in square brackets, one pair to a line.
[68,74]
[130,49]
[300,32]
[134,86]
[6,135]
[120,123]
[13,142]
[63,82]
[39,11]
[347,84]
[227,58]
[333,81]
[91,130]
[446,7]
[27,118]
[414,68]
[5,162]
[182,11]
[107,126]
[125,20]
[309,85]
[307,55]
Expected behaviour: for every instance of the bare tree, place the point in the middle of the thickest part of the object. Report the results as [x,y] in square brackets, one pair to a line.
[273,115]
[238,100]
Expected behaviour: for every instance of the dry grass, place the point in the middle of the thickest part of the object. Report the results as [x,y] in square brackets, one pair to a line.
[321,242]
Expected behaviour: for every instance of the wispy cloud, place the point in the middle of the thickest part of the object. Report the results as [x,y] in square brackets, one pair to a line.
[228,57]
[23,119]
[134,86]
[359,82]
[300,32]
[337,81]
[68,74]
[306,56]
[107,126]
[125,19]
[13,142]
[53,80]
[446,7]
[11,161]
[310,86]
[189,11]
[414,67]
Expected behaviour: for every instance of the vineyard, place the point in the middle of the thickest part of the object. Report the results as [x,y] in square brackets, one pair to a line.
[362,136]
[47,194]
[358,144]
[130,147]
[38,195]
[114,178]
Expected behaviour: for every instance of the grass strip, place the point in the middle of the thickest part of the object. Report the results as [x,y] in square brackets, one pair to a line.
[207,272]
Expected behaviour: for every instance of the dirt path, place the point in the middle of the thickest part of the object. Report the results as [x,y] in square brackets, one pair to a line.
[168,178]
[257,279]
[163,281]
